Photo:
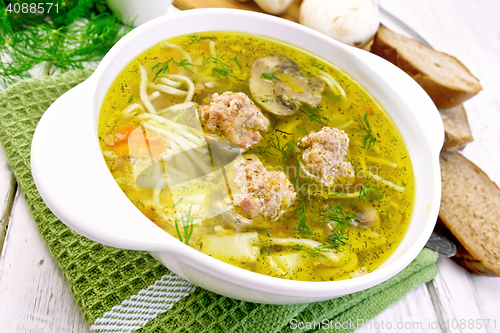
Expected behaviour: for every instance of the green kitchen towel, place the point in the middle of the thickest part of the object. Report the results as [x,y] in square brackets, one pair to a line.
[129,291]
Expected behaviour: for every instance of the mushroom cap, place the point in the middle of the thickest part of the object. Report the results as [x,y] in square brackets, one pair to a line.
[275,7]
[352,22]
[278,87]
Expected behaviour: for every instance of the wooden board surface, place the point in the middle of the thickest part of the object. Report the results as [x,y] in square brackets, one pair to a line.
[291,14]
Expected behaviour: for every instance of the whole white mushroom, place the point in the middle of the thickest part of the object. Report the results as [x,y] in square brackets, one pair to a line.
[275,7]
[353,22]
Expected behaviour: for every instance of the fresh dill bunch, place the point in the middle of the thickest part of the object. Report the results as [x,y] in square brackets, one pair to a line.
[80,37]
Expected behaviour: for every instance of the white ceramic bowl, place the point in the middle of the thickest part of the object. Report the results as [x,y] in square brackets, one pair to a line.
[73,179]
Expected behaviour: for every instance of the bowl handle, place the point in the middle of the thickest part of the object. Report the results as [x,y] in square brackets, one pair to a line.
[75,183]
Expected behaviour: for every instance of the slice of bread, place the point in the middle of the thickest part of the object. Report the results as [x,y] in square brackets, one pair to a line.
[462,257]
[447,81]
[456,128]
[470,208]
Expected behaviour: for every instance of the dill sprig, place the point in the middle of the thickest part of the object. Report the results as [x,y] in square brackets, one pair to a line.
[334,96]
[192,39]
[285,149]
[302,214]
[213,60]
[222,72]
[263,150]
[314,252]
[164,67]
[235,59]
[270,77]
[313,115]
[370,191]
[130,99]
[337,214]
[83,35]
[338,237]
[187,226]
[368,139]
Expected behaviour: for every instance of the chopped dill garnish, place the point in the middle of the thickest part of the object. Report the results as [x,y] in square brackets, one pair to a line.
[270,76]
[265,100]
[264,229]
[302,129]
[186,225]
[335,213]
[315,252]
[192,39]
[235,59]
[265,250]
[285,149]
[184,63]
[313,115]
[164,67]
[335,97]
[371,191]
[263,150]
[368,138]
[222,72]
[302,215]
[213,60]
[339,235]
[130,99]
[313,63]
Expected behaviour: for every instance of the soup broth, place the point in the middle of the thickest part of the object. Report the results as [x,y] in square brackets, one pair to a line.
[333,222]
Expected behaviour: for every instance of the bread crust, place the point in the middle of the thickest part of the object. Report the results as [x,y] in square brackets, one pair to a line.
[457,131]
[482,247]
[443,97]
[467,261]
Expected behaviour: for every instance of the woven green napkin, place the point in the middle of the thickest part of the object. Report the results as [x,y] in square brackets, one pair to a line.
[125,291]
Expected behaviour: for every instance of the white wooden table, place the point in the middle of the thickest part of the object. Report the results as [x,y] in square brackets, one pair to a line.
[35,297]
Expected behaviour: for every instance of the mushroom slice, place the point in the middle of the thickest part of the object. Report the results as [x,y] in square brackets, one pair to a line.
[367,217]
[278,87]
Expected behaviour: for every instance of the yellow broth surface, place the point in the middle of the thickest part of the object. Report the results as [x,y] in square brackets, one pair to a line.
[222,61]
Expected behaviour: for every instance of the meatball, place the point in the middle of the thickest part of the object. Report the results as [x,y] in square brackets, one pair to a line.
[324,155]
[233,117]
[262,193]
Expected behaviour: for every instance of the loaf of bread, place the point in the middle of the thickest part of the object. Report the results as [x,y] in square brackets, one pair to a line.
[456,128]
[470,209]
[447,81]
